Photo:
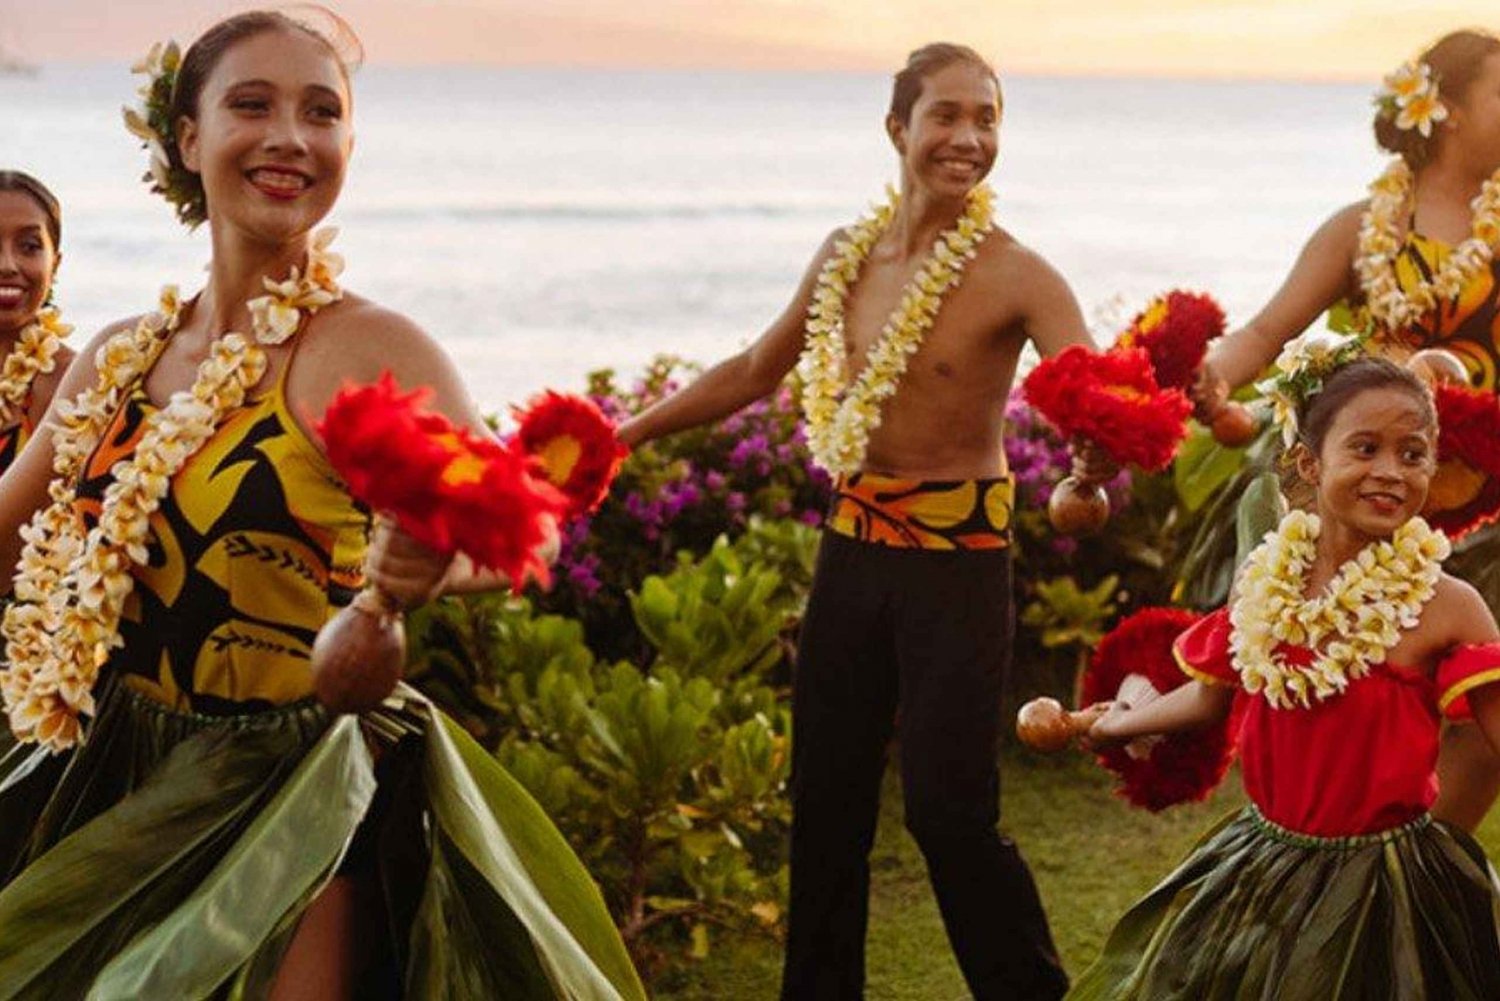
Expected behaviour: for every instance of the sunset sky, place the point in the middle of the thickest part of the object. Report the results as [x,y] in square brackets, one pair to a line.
[1349,39]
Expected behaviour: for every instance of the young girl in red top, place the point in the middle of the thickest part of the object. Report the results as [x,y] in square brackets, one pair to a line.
[1346,643]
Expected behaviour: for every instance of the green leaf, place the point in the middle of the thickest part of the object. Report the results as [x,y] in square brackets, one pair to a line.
[1202,468]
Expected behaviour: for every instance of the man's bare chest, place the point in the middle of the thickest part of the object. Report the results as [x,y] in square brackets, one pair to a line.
[878,304]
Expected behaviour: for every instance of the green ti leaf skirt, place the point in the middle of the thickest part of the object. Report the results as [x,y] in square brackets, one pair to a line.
[1258,913]
[171,855]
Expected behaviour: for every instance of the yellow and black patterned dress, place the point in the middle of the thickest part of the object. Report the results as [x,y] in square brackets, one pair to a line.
[14,437]
[254,547]
[172,853]
[1467,326]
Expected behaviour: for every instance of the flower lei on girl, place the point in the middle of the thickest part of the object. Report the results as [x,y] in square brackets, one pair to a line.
[840,417]
[72,583]
[1353,624]
[35,353]
[1412,99]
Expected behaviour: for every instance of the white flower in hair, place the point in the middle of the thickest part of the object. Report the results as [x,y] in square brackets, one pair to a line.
[1303,365]
[1406,82]
[1315,351]
[1410,95]
[1422,112]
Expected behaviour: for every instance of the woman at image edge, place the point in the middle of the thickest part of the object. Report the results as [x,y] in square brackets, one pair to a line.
[1448,137]
[215,832]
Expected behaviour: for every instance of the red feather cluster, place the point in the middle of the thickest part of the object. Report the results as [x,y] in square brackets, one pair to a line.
[1113,400]
[1465,493]
[1175,330]
[575,446]
[449,489]
[1182,767]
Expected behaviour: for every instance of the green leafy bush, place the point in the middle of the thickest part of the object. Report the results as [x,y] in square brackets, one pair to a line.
[668,779]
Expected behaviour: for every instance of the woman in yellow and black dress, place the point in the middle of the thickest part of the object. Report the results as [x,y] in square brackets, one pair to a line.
[1415,266]
[181,818]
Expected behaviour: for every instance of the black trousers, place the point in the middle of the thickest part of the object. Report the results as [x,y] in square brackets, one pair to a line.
[925,636]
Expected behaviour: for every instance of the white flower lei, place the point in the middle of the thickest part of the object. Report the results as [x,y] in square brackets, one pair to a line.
[838,430]
[1380,244]
[35,353]
[1352,625]
[71,586]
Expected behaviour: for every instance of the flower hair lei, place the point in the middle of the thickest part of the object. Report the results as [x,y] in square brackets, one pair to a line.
[152,123]
[1410,96]
[1302,366]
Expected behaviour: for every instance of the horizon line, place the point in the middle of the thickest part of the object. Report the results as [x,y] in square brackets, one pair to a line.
[1029,72]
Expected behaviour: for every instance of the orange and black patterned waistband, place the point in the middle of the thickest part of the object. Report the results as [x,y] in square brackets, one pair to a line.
[923,514]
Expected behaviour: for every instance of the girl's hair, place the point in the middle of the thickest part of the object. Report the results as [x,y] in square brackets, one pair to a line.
[15,180]
[204,55]
[924,62]
[1317,413]
[1456,60]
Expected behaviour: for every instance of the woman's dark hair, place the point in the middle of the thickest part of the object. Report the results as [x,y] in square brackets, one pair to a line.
[1317,413]
[1456,60]
[924,62]
[203,56]
[15,180]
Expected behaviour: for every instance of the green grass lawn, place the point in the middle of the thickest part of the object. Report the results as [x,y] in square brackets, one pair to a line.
[1092,855]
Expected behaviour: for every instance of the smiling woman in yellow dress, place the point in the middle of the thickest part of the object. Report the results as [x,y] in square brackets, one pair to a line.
[180,818]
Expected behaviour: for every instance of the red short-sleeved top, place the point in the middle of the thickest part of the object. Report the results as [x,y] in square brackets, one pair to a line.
[1356,763]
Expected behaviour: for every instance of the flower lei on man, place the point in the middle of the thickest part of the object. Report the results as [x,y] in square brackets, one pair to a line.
[840,417]
[1411,97]
[72,583]
[35,353]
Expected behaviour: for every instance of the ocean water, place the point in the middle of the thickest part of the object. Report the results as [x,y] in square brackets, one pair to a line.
[545,223]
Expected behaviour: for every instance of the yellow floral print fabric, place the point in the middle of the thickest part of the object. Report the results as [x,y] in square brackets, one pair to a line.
[255,546]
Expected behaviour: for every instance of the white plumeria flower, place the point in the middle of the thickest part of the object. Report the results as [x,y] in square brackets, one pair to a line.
[1422,112]
[1312,351]
[274,319]
[1406,82]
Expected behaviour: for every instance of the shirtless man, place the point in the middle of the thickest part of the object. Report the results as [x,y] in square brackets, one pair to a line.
[911,610]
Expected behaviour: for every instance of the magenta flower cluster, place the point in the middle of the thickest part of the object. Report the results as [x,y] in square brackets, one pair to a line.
[680,493]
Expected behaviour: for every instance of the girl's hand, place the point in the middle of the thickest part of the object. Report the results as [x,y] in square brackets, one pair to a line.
[401,568]
[1209,393]
[1103,733]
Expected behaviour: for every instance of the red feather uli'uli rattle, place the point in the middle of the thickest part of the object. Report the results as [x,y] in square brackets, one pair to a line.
[455,492]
